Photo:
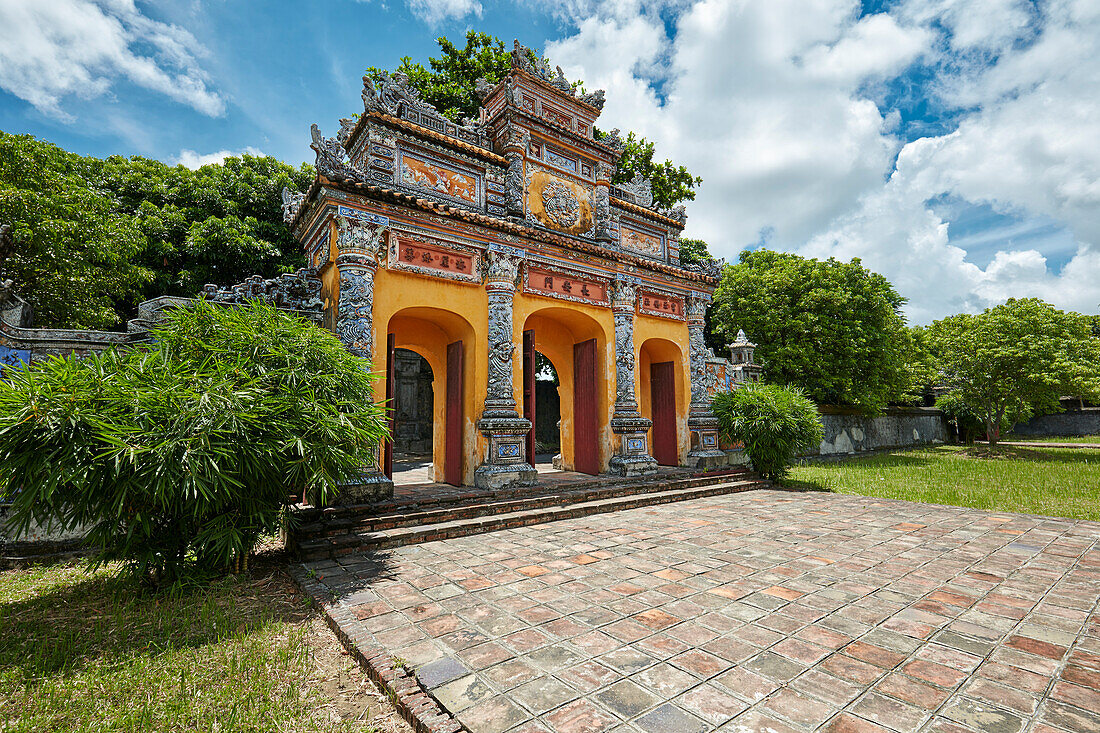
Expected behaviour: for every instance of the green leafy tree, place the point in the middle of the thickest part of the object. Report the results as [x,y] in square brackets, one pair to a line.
[671,183]
[180,456]
[694,251]
[1008,362]
[774,423]
[95,237]
[834,329]
[449,86]
[73,252]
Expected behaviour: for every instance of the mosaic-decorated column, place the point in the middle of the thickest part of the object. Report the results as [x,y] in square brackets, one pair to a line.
[361,247]
[604,172]
[514,147]
[506,463]
[632,458]
[702,424]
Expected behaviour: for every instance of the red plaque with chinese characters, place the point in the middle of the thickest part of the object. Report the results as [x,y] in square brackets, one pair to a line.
[563,285]
[652,303]
[433,259]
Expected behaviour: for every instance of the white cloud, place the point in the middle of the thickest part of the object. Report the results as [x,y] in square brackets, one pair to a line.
[434,12]
[54,49]
[777,106]
[191,159]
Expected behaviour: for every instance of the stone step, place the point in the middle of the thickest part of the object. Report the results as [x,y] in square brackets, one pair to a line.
[330,547]
[390,515]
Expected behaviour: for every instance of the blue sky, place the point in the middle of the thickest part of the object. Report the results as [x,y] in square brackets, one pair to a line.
[949,144]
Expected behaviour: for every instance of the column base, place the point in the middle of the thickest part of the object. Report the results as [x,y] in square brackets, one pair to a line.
[370,487]
[633,458]
[705,453]
[506,465]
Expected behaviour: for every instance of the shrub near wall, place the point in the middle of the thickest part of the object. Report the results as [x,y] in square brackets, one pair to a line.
[774,423]
[180,456]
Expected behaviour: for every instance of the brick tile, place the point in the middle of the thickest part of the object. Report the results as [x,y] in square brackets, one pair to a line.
[1082,676]
[665,680]
[909,690]
[699,663]
[581,716]
[627,699]
[754,721]
[1001,696]
[774,667]
[826,687]
[532,571]
[889,712]
[711,703]
[851,669]
[655,619]
[588,676]
[798,708]
[669,717]
[874,655]
[937,674]
[787,594]
[1082,697]
[495,715]
[746,684]
[1035,646]
[848,723]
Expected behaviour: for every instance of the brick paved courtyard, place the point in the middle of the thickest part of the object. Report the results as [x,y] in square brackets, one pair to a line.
[761,611]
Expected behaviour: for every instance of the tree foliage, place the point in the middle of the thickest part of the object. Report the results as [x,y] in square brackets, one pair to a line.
[449,86]
[694,251]
[832,328]
[774,423]
[96,236]
[1008,362]
[179,456]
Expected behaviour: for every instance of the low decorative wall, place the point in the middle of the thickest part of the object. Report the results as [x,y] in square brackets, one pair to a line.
[1083,421]
[848,432]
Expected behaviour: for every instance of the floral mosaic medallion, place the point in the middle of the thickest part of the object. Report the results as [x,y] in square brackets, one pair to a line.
[561,204]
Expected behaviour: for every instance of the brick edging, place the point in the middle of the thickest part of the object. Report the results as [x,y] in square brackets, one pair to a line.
[402,688]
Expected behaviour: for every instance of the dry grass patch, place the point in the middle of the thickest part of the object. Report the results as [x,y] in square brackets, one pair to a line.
[85,652]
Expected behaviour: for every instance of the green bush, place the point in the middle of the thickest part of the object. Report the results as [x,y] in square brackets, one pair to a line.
[178,457]
[774,423]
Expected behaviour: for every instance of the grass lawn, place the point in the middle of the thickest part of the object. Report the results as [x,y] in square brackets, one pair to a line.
[1053,439]
[85,652]
[1056,482]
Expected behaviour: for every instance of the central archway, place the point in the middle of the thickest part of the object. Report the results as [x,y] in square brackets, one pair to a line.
[443,339]
[575,345]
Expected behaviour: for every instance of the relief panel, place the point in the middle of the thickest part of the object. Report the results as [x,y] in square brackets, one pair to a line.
[556,282]
[442,179]
[559,203]
[636,239]
[653,303]
[430,256]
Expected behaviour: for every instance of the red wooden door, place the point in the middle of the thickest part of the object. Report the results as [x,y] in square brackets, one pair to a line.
[391,383]
[452,461]
[529,390]
[585,446]
[662,390]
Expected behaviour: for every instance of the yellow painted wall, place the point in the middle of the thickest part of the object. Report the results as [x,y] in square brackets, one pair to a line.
[426,314]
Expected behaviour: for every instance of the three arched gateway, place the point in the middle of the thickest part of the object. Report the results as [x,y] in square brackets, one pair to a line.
[479,246]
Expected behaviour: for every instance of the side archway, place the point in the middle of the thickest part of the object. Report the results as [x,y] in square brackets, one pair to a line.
[663,397]
[446,341]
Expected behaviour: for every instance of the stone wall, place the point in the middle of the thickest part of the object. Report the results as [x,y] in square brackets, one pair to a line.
[848,432]
[1084,421]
